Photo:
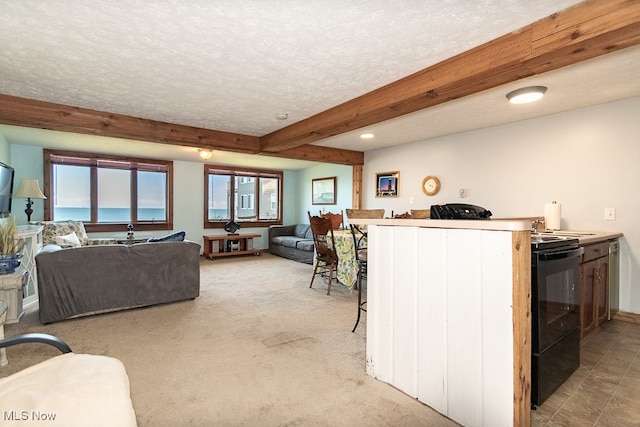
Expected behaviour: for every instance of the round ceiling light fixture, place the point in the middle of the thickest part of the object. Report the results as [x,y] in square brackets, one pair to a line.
[282,116]
[526,94]
[367,136]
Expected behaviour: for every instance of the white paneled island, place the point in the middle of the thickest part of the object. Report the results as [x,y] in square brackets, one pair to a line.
[448,315]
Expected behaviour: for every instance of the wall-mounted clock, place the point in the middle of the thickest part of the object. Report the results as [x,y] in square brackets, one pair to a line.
[430,185]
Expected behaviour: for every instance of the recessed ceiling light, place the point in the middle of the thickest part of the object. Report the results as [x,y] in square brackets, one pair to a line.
[367,136]
[282,116]
[526,94]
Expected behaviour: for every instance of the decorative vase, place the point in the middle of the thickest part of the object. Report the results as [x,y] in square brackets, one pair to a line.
[9,263]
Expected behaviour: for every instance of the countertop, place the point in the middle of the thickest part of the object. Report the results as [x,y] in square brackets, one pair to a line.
[587,237]
[499,225]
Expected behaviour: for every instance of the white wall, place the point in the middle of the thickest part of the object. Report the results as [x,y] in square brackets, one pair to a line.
[27,162]
[587,160]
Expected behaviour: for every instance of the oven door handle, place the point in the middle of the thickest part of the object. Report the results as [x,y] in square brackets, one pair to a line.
[550,256]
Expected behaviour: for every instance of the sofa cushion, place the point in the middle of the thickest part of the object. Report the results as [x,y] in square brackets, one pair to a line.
[286,241]
[78,389]
[305,245]
[49,248]
[301,231]
[173,237]
[309,234]
[61,228]
[70,239]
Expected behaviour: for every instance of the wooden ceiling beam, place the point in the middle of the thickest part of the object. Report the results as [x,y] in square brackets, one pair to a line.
[317,153]
[45,115]
[584,31]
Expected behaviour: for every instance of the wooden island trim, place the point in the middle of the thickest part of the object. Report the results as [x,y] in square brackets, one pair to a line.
[521,253]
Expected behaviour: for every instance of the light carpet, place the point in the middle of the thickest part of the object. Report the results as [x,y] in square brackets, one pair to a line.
[258,347]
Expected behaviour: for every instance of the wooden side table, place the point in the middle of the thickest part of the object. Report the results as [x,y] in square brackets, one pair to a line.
[230,245]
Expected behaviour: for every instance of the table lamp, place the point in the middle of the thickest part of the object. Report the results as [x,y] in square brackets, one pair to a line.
[29,189]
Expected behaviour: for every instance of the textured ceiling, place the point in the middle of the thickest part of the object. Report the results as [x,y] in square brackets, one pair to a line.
[603,79]
[232,65]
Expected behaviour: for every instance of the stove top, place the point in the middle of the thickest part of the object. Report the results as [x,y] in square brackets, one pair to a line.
[541,241]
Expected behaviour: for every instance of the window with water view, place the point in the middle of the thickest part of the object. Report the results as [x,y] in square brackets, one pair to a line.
[104,192]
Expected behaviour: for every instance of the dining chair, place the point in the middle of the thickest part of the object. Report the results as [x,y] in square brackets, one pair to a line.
[404,215]
[336,219]
[326,256]
[365,213]
[359,234]
[420,213]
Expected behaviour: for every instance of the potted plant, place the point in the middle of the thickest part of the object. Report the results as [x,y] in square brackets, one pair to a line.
[10,246]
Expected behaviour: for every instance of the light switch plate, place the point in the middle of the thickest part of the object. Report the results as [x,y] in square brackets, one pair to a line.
[610,214]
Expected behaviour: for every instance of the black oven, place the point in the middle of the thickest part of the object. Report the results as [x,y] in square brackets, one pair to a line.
[555,309]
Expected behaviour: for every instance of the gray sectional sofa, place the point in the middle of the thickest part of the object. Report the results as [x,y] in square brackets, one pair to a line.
[85,280]
[292,241]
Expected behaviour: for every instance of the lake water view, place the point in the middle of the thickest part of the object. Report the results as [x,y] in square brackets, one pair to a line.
[109,214]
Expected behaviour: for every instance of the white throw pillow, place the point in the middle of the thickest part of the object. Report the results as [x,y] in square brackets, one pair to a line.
[67,240]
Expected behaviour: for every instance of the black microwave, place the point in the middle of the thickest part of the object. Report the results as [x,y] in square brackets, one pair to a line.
[459,211]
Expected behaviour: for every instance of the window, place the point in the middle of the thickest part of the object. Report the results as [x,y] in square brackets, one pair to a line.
[248,197]
[108,192]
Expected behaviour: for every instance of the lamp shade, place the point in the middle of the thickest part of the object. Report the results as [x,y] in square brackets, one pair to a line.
[29,189]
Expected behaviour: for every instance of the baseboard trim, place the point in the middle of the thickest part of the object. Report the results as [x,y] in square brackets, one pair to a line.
[627,317]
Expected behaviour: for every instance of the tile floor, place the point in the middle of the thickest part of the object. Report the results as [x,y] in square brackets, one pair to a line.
[605,390]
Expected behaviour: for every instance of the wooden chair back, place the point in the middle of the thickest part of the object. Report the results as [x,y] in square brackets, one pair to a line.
[325,249]
[323,239]
[359,234]
[365,213]
[420,213]
[336,219]
[404,215]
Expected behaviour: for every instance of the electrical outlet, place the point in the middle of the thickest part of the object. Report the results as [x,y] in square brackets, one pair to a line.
[462,193]
[412,200]
[610,214]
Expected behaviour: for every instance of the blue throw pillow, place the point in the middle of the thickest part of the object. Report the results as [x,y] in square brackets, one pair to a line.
[178,236]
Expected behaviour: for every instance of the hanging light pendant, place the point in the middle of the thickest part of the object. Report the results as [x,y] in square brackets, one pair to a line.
[205,154]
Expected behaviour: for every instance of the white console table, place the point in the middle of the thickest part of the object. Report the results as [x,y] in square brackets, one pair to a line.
[11,287]
[32,236]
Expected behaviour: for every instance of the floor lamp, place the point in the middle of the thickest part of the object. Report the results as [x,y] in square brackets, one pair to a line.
[29,189]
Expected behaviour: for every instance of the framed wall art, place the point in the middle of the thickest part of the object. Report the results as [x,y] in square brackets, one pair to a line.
[387,184]
[323,191]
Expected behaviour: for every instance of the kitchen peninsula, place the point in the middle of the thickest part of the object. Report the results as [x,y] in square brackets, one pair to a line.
[448,315]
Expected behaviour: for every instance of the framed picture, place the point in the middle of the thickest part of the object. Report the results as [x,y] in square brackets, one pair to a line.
[323,191]
[387,184]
